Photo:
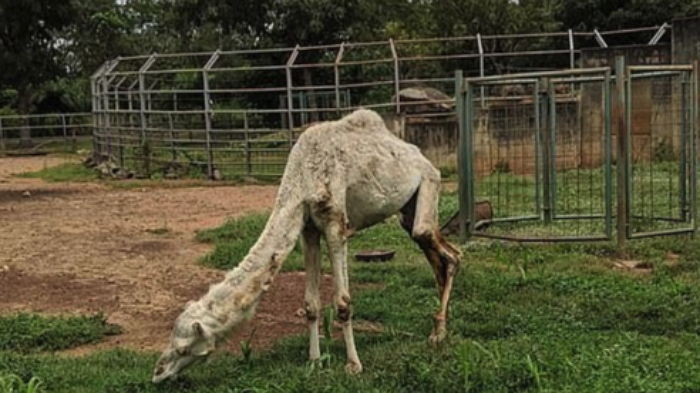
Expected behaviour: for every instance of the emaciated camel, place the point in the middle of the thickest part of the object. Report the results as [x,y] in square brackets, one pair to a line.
[341,176]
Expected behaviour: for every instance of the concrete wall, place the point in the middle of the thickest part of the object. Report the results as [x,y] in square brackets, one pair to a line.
[437,137]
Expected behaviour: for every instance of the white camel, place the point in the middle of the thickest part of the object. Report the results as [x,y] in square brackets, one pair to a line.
[341,176]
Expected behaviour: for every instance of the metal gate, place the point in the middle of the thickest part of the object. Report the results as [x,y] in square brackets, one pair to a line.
[542,150]
[660,122]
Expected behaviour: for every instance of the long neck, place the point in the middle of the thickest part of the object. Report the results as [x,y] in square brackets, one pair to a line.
[235,298]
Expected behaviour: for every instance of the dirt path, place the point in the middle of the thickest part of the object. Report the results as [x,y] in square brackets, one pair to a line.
[86,248]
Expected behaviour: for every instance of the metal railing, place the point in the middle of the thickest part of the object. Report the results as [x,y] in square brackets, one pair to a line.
[579,150]
[59,131]
[238,112]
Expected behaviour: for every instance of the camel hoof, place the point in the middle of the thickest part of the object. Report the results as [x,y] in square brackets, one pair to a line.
[437,336]
[353,368]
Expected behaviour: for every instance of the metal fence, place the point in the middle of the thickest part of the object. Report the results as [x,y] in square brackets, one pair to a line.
[579,154]
[56,132]
[224,114]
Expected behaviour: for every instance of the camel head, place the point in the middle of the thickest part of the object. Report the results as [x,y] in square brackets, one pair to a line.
[191,341]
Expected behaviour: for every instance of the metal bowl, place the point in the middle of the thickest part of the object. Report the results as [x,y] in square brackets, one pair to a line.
[375,255]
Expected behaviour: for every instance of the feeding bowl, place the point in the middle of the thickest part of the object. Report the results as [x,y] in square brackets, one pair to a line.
[375,255]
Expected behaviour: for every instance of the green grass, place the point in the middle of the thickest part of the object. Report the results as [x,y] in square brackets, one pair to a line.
[76,172]
[67,172]
[32,333]
[523,318]
[12,383]
[233,239]
[654,199]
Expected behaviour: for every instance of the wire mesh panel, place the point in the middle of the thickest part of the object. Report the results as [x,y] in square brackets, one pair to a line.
[661,156]
[579,156]
[543,160]
[537,151]
[228,113]
[505,126]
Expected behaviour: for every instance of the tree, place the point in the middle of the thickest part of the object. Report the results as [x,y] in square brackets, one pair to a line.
[615,14]
[29,47]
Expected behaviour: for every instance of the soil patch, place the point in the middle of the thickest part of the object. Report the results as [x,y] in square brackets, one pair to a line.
[82,248]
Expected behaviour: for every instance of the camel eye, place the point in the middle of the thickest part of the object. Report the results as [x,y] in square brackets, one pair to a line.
[181,351]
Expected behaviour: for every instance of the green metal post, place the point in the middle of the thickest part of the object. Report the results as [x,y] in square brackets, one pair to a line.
[629,167]
[546,154]
[469,152]
[246,127]
[621,132]
[552,131]
[461,156]
[694,130]
[538,149]
[607,143]
[683,162]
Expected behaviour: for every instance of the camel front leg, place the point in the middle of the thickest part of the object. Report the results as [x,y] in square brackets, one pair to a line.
[337,248]
[442,255]
[311,242]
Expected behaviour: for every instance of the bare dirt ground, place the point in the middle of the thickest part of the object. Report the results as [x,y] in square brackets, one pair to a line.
[70,248]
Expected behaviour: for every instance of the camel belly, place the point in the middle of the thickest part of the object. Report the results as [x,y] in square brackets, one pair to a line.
[374,198]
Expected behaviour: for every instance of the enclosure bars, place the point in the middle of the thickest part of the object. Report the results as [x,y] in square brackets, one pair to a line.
[208,113]
[480,48]
[660,33]
[290,100]
[59,128]
[686,75]
[547,110]
[110,124]
[336,75]
[120,146]
[464,161]
[145,148]
[695,134]
[97,110]
[687,150]
[106,123]
[607,108]
[397,87]
[622,158]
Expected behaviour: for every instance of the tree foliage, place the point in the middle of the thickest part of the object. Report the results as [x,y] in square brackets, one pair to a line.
[49,48]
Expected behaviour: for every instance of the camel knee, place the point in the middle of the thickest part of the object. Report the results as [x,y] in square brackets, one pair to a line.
[343,308]
[424,235]
[312,310]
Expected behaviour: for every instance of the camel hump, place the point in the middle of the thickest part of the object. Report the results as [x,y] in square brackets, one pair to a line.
[365,119]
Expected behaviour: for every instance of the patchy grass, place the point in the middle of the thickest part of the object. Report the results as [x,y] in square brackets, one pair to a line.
[524,318]
[11,383]
[32,333]
[561,326]
[234,238]
[77,172]
[67,172]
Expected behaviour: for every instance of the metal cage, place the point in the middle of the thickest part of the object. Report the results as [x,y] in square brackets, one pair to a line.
[579,155]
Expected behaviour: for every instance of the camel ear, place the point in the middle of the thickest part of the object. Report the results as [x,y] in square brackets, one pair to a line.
[198,329]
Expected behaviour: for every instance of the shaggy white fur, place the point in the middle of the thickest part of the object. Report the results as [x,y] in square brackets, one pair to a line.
[341,177]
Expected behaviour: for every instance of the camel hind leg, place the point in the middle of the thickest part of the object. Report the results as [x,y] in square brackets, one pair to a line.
[311,241]
[420,220]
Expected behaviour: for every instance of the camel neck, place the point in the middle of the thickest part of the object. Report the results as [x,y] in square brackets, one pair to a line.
[239,293]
